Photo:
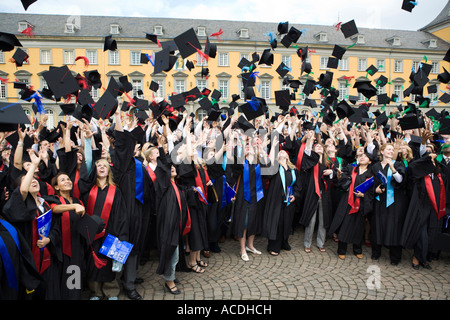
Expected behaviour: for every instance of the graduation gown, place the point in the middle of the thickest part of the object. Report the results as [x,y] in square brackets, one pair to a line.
[24,267]
[22,215]
[198,236]
[171,222]
[278,216]
[386,222]
[420,213]
[117,224]
[124,171]
[78,246]
[350,228]
[245,215]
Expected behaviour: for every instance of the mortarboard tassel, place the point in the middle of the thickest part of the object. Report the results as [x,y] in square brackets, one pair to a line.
[38,101]
[217,34]
[337,26]
[86,60]
[350,46]
[204,55]
[4,80]
[28,31]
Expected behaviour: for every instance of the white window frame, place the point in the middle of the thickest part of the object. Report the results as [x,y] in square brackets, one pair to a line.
[68,56]
[180,85]
[201,31]
[137,85]
[323,37]
[3,90]
[362,64]
[92,56]
[201,61]
[381,62]
[398,65]
[224,87]
[398,90]
[343,90]
[114,29]
[435,67]
[160,94]
[135,58]
[323,63]
[114,58]
[51,118]
[69,28]
[94,93]
[23,25]
[265,89]
[201,84]
[2,57]
[158,30]
[243,33]
[343,64]
[45,56]
[286,60]
[224,59]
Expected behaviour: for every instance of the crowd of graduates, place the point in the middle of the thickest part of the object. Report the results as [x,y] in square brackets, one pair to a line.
[180,189]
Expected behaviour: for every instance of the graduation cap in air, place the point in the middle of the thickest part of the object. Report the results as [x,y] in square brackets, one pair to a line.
[83,112]
[433,113]
[283,27]
[187,43]
[244,63]
[244,124]
[145,58]
[328,117]
[88,226]
[349,29]
[444,125]
[27,3]
[408,5]
[310,103]
[154,86]
[372,70]
[210,48]
[338,51]
[274,43]
[190,65]
[447,56]
[67,109]
[84,97]
[432,88]
[61,81]
[13,139]
[332,63]
[381,81]
[381,119]
[266,57]
[325,79]
[109,44]
[192,94]
[309,87]
[213,115]
[177,100]
[94,78]
[8,41]
[444,77]
[411,121]
[252,109]
[282,69]
[291,37]
[383,98]
[344,110]
[124,84]
[216,94]
[164,61]
[445,98]
[152,37]
[283,98]
[306,67]
[19,57]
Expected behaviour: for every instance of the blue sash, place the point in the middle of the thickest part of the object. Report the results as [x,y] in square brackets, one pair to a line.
[283,181]
[247,194]
[6,258]
[139,188]
[259,185]
[389,188]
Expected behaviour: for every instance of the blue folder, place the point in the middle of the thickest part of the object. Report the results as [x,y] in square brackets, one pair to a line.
[115,249]
[366,185]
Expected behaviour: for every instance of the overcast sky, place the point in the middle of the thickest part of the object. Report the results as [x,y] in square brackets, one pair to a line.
[386,14]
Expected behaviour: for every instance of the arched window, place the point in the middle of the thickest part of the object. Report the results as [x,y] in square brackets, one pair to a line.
[51,119]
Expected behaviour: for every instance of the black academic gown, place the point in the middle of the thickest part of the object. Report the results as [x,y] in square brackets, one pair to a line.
[246,215]
[350,228]
[124,170]
[170,221]
[79,247]
[117,224]
[198,237]
[278,215]
[27,276]
[386,223]
[420,213]
[22,214]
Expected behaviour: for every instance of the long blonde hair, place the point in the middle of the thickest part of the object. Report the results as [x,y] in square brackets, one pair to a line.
[110,177]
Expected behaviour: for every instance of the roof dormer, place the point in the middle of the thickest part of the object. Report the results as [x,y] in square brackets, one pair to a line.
[430,43]
[114,28]
[394,41]
[321,36]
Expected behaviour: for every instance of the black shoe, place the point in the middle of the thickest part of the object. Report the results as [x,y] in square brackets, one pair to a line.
[138,281]
[286,247]
[171,290]
[415,266]
[133,294]
[425,265]
[394,263]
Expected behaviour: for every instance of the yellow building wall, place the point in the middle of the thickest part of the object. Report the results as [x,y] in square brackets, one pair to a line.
[444,34]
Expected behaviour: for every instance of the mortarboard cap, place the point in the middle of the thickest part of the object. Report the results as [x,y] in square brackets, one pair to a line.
[210,49]
[244,63]
[109,44]
[349,29]
[177,100]
[433,113]
[382,119]
[8,41]
[164,61]
[383,98]
[113,87]
[213,115]
[444,77]
[306,67]
[154,86]
[447,56]
[410,121]
[145,58]
[444,127]
[283,98]
[445,98]
[432,88]
[84,97]
[67,109]
[310,103]
[266,57]
[94,78]
[83,112]
[310,87]
[190,65]
[61,81]
[252,109]
[152,37]
[408,5]
[88,226]
[245,125]
[303,53]
[187,43]
[381,81]
[338,51]
[283,27]
[372,70]
[332,62]
[19,57]
[27,3]
[344,110]
[282,69]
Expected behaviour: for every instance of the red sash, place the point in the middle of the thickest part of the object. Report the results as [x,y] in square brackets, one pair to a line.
[430,190]
[65,226]
[76,190]
[188,223]
[151,173]
[300,156]
[316,180]
[41,266]
[106,211]
[199,183]
[353,203]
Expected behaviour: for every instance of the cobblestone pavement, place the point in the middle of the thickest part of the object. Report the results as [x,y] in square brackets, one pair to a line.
[297,275]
